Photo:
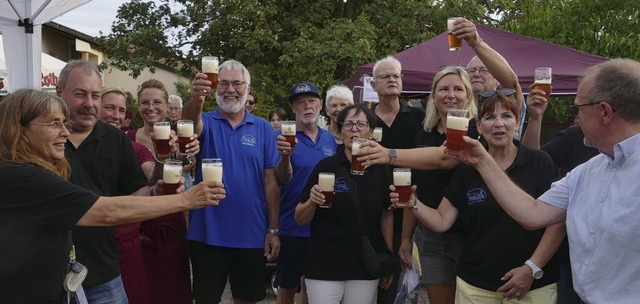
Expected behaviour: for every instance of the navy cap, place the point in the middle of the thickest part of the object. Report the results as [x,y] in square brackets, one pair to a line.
[304,88]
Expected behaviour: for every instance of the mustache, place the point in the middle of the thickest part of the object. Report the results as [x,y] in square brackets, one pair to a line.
[87,111]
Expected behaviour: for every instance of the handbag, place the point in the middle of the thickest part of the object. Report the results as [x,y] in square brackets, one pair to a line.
[377,264]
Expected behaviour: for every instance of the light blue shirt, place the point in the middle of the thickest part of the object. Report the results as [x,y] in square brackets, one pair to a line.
[602,199]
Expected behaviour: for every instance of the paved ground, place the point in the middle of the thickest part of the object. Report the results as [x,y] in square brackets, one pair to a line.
[271,299]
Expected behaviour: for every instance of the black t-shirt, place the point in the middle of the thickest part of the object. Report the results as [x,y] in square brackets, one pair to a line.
[37,209]
[493,242]
[333,251]
[401,135]
[105,163]
[567,148]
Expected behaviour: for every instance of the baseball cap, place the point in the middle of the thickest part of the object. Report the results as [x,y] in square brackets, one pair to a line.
[304,88]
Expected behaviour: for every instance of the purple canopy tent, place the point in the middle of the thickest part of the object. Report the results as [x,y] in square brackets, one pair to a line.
[421,62]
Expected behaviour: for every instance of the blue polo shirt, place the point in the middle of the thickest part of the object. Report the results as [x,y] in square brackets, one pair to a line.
[304,158]
[240,221]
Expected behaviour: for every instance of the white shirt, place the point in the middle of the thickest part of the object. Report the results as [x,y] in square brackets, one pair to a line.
[602,199]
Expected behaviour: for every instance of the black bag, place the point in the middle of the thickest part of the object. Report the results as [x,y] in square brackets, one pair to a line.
[377,264]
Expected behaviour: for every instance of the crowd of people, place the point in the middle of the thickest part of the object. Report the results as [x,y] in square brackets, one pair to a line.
[86,216]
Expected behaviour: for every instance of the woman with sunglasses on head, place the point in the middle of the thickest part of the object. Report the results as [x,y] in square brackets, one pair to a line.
[333,266]
[499,259]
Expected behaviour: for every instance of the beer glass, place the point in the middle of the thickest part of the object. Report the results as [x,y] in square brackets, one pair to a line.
[542,80]
[212,169]
[357,168]
[455,43]
[171,173]
[210,67]
[402,182]
[457,125]
[162,134]
[185,131]
[289,132]
[326,180]
[377,134]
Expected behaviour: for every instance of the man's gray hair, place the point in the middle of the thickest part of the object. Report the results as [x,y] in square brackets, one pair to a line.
[339,91]
[76,64]
[388,59]
[234,65]
[617,82]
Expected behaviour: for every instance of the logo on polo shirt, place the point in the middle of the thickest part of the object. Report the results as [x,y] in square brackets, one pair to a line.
[341,186]
[248,140]
[475,196]
[327,150]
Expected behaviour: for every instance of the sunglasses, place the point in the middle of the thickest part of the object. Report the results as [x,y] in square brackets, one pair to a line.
[251,101]
[488,94]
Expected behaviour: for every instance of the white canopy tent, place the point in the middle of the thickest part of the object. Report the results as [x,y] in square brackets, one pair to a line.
[50,72]
[21,25]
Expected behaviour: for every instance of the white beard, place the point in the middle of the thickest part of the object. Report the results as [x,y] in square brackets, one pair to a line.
[231,107]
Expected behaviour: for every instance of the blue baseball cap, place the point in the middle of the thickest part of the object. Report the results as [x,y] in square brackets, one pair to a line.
[304,88]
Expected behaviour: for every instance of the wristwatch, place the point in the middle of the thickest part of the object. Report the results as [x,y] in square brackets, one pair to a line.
[393,156]
[537,272]
[274,231]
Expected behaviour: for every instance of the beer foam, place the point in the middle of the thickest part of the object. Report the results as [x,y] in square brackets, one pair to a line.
[162,132]
[355,148]
[171,174]
[402,178]
[210,66]
[212,172]
[457,123]
[288,129]
[326,182]
[185,129]
[543,81]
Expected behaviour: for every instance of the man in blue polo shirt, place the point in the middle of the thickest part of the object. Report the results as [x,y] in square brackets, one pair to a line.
[292,171]
[231,241]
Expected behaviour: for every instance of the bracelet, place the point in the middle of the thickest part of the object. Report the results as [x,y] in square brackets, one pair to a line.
[474,47]
[151,190]
[415,204]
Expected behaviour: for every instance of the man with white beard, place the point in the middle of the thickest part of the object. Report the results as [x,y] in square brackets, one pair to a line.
[231,241]
[292,171]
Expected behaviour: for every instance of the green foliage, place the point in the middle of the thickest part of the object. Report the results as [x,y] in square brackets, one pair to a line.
[285,41]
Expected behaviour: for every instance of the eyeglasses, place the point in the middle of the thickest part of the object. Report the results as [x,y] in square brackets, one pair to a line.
[360,125]
[174,110]
[55,125]
[575,108]
[482,71]
[488,94]
[145,104]
[387,76]
[251,102]
[237,84]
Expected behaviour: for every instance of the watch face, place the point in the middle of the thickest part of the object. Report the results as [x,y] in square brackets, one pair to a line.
[538,274]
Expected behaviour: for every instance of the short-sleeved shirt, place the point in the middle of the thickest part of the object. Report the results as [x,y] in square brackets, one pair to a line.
[303,159]
[567,148]
[493,242]
[106,164]
[240,221]
[602,199]
[37,210]
[333,251]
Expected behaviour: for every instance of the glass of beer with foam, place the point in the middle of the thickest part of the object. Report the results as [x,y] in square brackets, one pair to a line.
[377,134]
[212,169]
[326,180]
[210,67]
[185,131]
[402,182]
[455,43]
[457,126]
[171,173]
[542,80]
[357,168]
[162,134]
[289,132]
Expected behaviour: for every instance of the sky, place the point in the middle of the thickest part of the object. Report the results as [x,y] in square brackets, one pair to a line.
[92,17]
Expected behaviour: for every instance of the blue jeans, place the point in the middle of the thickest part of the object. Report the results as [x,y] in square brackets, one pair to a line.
[111,292]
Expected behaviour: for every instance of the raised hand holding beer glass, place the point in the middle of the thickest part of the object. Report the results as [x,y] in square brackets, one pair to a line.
[457,126]
[542,80]
[185,131]
[455,43]
[210,68]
